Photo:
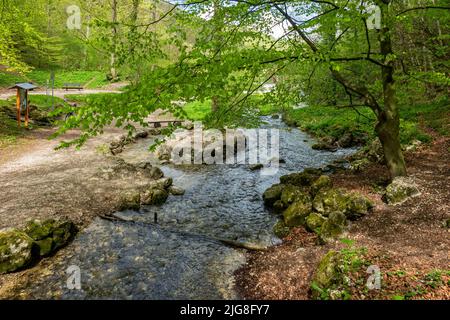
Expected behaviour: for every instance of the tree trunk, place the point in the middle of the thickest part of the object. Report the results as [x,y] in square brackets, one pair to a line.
[113,70]
[388,127]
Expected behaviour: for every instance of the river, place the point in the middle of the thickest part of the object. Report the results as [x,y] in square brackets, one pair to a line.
[180,257]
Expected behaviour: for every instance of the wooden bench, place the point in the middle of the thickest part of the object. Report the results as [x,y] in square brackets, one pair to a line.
[75,86]
[158,123]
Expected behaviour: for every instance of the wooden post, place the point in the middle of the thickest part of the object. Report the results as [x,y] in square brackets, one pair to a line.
[27,110]
[18,106]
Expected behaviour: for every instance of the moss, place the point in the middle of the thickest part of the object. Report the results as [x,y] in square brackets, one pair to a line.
[16,250]
[296,214]
[299,179]
[291,194]
[154,196]
[281,230]
[38,230]
[400,190]
[45,247]
[333,200]
[273,194]
[333,226]
[130,200]
[322,183]
[353,205]
[314,222]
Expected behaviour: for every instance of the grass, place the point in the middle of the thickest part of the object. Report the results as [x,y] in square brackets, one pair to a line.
[89,79]
[415,121]
[9,130]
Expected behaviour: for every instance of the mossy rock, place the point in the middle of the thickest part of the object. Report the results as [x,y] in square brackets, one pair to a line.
[291,194]
[357,206]
[38,230]
[314,222]
[281,230]
[299,179]
[63,233]
[332,200]
[45,246]
[130,199]
[279,206]
[400,190]
[353,205]
[295,215]
[50,235]
[327,274]
[16,250]
[322,183]
[333,227]
[273,194]
[154,196]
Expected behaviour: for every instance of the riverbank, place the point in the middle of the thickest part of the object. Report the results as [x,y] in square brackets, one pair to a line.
[39,182]
[408,242]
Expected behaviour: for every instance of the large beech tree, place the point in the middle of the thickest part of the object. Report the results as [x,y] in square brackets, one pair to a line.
[362,60]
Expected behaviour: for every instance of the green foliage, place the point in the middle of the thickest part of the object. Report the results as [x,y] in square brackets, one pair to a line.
[90,79]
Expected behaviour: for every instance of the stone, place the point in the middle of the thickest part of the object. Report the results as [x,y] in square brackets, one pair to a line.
[295,215]
[156,173]
[360,164]
[255,167]
[299,179]
[45,247]
[314,222]
[327,274]
[357,206]
[63,233]
[130,199]
[50,235]
[333,227]
[176,191]
[16,250]
[281,230]
[400,190]
[154,196]
[275,116]
[279,206]
[322,183]
[346,141]
[273,194]
[332,200]
[353,205]
[291,194]
[141,135]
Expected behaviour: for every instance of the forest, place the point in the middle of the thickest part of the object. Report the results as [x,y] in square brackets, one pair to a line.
[225,149]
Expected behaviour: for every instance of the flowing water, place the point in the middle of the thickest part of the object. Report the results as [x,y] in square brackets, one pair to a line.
[180,256]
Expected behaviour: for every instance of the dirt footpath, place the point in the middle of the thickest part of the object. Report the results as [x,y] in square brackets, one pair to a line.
[38,182]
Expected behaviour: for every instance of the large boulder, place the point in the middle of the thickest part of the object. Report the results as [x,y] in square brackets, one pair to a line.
[332,200]
[299,179]
[353,205]
[296,214]
[314,222]
[328,274]
[291,194]
[332,227]
[273,194]
[400,190]
[16,250]
[50,235]
[154,196]
[130,200]
[322,183]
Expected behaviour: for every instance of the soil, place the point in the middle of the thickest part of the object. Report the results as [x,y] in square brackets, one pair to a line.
[407,241]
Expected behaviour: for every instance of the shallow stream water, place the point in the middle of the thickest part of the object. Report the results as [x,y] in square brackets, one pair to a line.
[180,257]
